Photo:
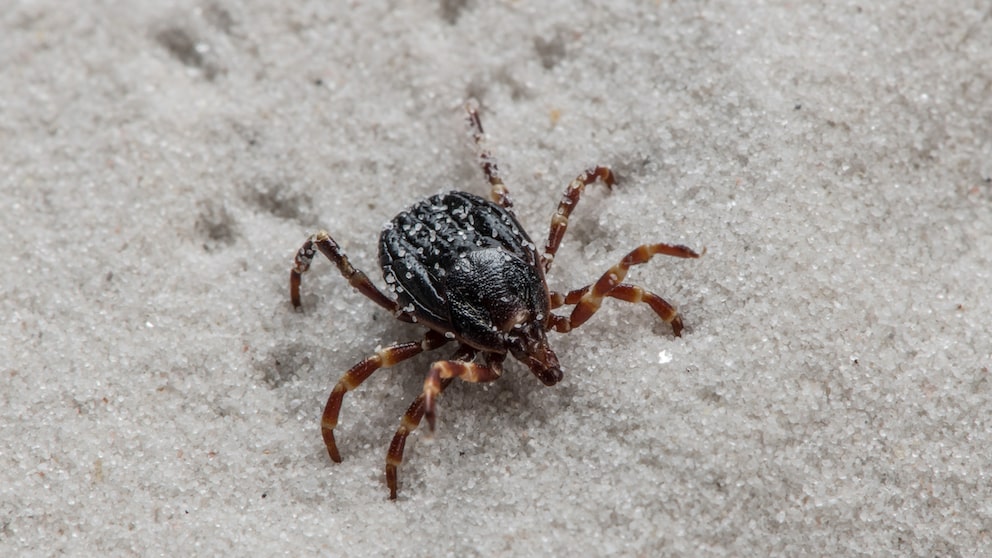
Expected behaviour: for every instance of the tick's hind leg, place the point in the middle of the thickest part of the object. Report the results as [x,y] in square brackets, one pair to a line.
[559,221]
[588,299]
[498,192]
[325,244]
[383,358]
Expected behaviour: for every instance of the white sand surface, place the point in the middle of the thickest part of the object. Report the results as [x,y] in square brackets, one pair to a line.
[161,162]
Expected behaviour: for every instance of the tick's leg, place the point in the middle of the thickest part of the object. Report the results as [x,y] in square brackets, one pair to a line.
[325,244]
[383,358]
[498,193]
[588,299]
[559,221]
[410,421]
[623,291]
[465,371]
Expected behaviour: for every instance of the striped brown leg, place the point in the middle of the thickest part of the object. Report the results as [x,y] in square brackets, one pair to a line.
[325,244]
[465,371]
[499,193]
[623,291]
[411,419]
[588,299]
[559,221]
[383,358]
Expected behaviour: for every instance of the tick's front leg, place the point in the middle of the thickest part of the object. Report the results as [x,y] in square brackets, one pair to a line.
[465,371]
[589,298]
[383,358]
[411,419]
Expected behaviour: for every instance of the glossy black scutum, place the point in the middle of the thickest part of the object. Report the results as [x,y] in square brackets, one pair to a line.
[464,266]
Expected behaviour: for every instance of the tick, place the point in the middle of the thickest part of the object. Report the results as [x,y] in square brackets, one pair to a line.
[463,267]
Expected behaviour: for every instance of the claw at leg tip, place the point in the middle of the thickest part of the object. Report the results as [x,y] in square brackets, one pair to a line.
[391,480]
[332,447]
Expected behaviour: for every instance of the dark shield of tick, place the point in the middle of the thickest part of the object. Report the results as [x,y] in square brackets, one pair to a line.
[463,267]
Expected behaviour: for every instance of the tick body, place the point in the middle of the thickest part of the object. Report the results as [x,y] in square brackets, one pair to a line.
[464,268]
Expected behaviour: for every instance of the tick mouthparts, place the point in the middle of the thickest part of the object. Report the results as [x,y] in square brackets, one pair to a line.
[543,362]
[531,347]
[549,376]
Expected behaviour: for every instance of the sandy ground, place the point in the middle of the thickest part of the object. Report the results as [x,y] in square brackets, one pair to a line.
[831,395]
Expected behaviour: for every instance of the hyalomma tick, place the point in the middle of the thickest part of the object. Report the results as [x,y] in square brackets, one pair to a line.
[464,268]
